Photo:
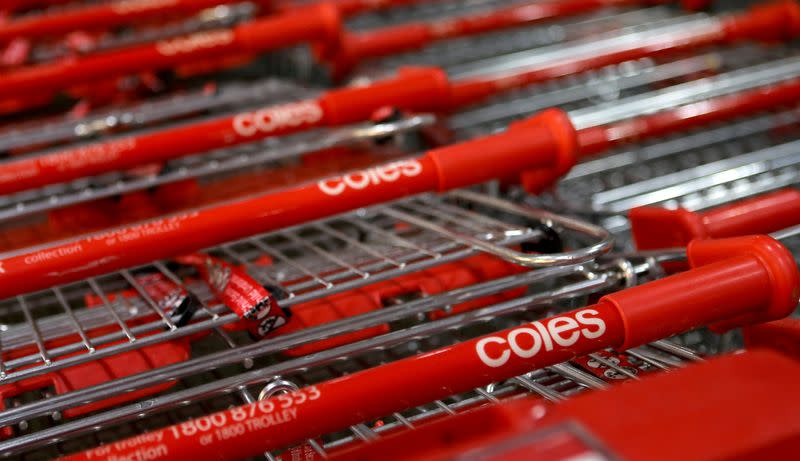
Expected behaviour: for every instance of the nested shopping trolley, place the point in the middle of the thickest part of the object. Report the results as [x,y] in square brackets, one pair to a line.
[141,310]
[363,312]
[523,82]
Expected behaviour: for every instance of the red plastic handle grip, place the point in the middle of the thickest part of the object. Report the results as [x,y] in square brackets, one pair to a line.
[418,89]
[602,138]
[655,227]
[598,139]
[538,143]
[780,20]
[320,22]
[716,292]
[106,16]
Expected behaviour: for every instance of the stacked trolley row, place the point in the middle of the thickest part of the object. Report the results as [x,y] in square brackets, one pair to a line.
[124,352]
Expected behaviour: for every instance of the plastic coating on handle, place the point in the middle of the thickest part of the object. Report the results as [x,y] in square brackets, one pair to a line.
[655,227]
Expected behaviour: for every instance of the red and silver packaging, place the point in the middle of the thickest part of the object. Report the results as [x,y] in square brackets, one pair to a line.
[250,300]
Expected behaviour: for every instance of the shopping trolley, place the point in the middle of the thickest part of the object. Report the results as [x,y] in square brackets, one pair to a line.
[43,357]
[650,312]
[398,89]
[107,350]
[219,48]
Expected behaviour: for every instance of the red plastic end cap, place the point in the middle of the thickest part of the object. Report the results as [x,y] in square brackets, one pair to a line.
[560,127]
[330,22]
[654,228]
[566,138]
[777,261]
[545,142]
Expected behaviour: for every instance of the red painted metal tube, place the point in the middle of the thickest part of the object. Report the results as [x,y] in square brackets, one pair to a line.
[735,279]
[656,227]
[772,21]
[413,90]
[600,139]
[99,16]
[359,46]
[322,23]
[319,22]
[540,142]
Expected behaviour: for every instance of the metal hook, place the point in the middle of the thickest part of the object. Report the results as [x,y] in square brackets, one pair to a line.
[277,386]
[605,241]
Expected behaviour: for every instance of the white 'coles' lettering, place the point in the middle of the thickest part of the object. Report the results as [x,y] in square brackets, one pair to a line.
[359,180]
[527,341]
[274,118]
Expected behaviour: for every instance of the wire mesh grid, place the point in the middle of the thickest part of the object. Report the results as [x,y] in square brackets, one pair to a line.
[211,18]
[605,87]
[423,11]
[457,52]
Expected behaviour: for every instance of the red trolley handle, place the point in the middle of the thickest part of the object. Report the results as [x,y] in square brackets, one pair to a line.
[539,150]
[102,16]
[358,46]
[733,282]
[779,20]
[416,90]
[320,22]
[599,139]
[656,227]
[542,141]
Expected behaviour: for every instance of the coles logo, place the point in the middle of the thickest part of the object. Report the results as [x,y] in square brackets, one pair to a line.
[194,42]
[274,118]
[525,342]
[358,180]
[129,6]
